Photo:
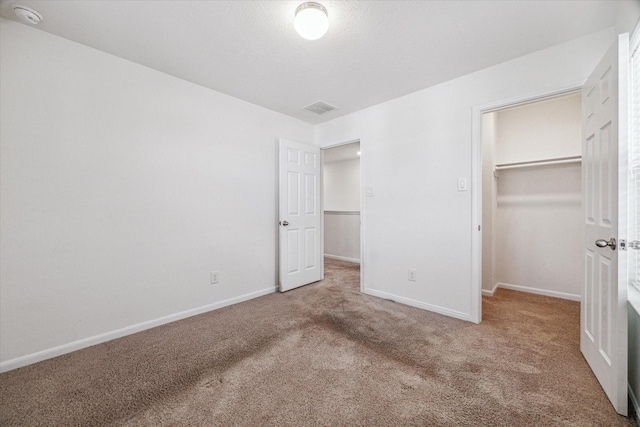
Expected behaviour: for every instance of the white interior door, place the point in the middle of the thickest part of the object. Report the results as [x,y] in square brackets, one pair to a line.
[300,216]
[603,311]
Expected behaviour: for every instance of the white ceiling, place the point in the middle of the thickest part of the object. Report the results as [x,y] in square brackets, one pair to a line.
[374,51]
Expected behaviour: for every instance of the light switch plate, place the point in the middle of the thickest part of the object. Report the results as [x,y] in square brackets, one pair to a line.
[462,184]
[368,191]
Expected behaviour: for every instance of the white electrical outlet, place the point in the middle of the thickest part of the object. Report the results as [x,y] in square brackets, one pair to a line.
[412,274]
[215,277]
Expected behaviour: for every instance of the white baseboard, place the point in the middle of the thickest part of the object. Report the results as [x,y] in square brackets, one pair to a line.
[419,304]
[342,258]
[490,293]
[545,292]
[108,336]
[634,402]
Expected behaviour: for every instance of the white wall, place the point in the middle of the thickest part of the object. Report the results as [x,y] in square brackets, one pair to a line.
[539,232]
[342,210]
[538,228]
[489,206]
[342,236]
[628,16]
[415,148]
[342,185]
[538,131]
[122,189]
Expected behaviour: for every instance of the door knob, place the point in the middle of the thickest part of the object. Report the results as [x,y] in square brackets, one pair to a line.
[284,223]
[601,243]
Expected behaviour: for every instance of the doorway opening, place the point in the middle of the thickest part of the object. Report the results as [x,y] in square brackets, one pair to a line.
[477,181]
[531,198]
[342,204]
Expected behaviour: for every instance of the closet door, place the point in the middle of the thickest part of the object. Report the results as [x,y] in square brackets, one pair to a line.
[603,317]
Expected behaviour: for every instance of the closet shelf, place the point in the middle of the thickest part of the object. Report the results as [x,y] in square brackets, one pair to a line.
[533,163]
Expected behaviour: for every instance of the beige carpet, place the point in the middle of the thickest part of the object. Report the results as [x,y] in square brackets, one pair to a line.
[325,355]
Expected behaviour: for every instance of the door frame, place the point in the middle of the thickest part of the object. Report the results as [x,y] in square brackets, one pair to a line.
[362,204]
[476,181]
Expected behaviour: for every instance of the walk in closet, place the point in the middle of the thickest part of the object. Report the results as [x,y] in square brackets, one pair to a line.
[531,186]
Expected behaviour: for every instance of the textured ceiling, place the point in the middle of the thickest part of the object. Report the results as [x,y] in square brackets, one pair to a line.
[374,51]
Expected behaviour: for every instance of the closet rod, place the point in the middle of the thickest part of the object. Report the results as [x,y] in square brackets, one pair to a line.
[556,161]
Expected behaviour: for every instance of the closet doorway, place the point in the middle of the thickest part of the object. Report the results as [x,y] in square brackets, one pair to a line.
[531,198]
[342,202]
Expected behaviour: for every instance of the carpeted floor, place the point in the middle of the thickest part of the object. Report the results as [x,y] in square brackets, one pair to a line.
[326,355]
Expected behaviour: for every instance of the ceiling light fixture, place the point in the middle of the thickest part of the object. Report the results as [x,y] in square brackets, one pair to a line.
[26,14]
[311,20]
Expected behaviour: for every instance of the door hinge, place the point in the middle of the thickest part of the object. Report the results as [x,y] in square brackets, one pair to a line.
[478,228]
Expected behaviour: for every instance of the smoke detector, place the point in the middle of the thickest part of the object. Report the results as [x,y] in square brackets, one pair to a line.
[26,14]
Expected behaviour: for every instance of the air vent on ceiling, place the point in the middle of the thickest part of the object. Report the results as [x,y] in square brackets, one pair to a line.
[320,107]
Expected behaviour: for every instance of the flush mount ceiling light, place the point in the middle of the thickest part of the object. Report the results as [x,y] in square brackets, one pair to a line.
[26,14]
[311,20]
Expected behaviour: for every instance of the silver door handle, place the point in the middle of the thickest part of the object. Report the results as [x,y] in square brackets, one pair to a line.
[601,243]
[284,223]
